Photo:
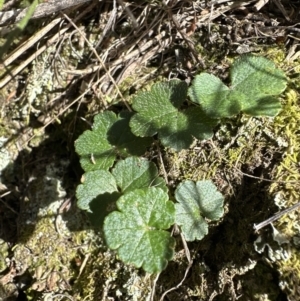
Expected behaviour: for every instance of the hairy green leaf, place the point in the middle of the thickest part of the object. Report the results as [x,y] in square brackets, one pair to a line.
[255,81]
[129,174]
[210,92]
[121,137]
[92,146]
[137,230]
[101,206]
[197,201]
[158,113]
[94,183]
[110,135]
[258,79]
[133,173]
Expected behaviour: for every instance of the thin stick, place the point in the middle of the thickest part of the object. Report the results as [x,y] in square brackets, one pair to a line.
[30,42]
[85,260]
[101,62]
[282,9]
[6,205]
[42,10]
[18,69]
[187,252]
[221,11]
[274,218]
[109,25]
[129,14]
[129,56]
[154,286]
[260,4]
[162,164]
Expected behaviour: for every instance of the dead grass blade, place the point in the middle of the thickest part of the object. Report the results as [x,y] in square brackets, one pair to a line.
[12,73]
[42,10]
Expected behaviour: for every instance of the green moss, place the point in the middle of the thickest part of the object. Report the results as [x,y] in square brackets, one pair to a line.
[103,277]
[276,54]
[45,249]
[3,255]
[290,274]
[4,131]
[287,125]
[193,164]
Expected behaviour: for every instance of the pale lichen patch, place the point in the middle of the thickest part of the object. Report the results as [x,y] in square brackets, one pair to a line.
[44,251]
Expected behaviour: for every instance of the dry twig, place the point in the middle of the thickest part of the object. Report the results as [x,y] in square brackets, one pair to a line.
[18,69]
[29,43]
[258,6]
[275,217]
[42,10]
[100,61]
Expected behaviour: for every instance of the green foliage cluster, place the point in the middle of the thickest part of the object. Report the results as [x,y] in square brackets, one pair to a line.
[117,175]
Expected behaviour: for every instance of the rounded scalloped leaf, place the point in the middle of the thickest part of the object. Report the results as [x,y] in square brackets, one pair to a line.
[197,201]
[137,173]
[137,230]
[100,207]
[121,137]
[155,106]
[92,146]
[212,95]
[94,183]
[252,69]
[188,217]
[157,112]
[259,80]
[185,126]
[254,83]
[110,134]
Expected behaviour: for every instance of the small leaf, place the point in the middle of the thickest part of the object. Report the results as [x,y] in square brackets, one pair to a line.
[110,135]
[157,113]
[251,69]
[95,183]
[95,194]
[196,202]
[120,135]
[133,173]
[154,107]
[255,82]
[212,95]
[137,230]
[259,80]
[92,146]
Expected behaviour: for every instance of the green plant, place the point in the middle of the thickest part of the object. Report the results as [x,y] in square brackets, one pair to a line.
[255,81]
[117,175]
[158,112]
[197,201]
[138,229]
